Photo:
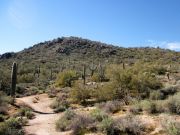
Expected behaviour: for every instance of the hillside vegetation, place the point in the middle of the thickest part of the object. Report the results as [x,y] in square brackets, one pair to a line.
[42,62]
[115,86]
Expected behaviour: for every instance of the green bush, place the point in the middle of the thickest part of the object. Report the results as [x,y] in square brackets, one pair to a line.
[136,108]
[26,78]
[80,93]
[13,126]
[65,78]
[173,103]
[60,104]
[130,125]
[98,115]
[171,90]
[160,70]
[5,81]
[171,126]
[95,78]
[2,118]
[105,92]
[64,123]
[26,112]
[148,106]
[99,78]
[79,124]
[4,101]
[160,106]
[111,106]
[20,89]
[82,124]
[107,126]
[144,105]
[136,79]
[156,95]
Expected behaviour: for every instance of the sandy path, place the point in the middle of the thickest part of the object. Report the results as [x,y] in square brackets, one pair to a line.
[44,122]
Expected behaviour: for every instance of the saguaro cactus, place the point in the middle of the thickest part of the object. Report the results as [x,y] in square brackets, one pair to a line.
[84,74]
[37,71]
[123,65]
[101,72]
[13,79]
[51,74]
[92,68]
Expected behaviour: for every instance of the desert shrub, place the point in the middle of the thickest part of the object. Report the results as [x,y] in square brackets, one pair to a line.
[171,126]
[26,78]
[135,79]
[52,92]
[5,81]
[26,112]
[171,90]
[25,69]
[174,68]
[107,126]
[173,103]
[2,118]
[4,101]
[32,90]
[4,98]
[79,124]
[64,123]
[98,115]
[111,106]
[65,78]
[95,78]
[99,78]
[156,95]
[135,108]
[160,106]
[80,93]
[148,106]
[12,126]
[3,109]
[105,92]
[130,125]
[60,104]
[20,89]
[143,83]
[82,124]
[160,70]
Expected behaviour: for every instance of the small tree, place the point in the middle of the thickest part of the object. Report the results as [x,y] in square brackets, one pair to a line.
[80,93]
[65,78]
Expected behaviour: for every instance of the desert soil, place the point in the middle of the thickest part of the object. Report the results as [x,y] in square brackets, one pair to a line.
[45,118]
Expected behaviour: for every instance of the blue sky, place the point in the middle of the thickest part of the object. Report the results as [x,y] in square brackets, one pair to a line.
[126,23]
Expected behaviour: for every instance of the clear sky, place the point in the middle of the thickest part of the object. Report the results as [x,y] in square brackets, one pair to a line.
[127,23]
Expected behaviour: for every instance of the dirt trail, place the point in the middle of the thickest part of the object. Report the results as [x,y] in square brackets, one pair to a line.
[44,122]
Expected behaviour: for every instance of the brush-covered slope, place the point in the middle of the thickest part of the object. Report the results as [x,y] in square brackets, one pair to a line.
[78,49]
[70,53]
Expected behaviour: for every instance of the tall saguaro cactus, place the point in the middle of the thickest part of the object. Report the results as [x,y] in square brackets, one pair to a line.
[123,65]
[51,74]
[13,79]
[84,74]
[92,68]
[101,72]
